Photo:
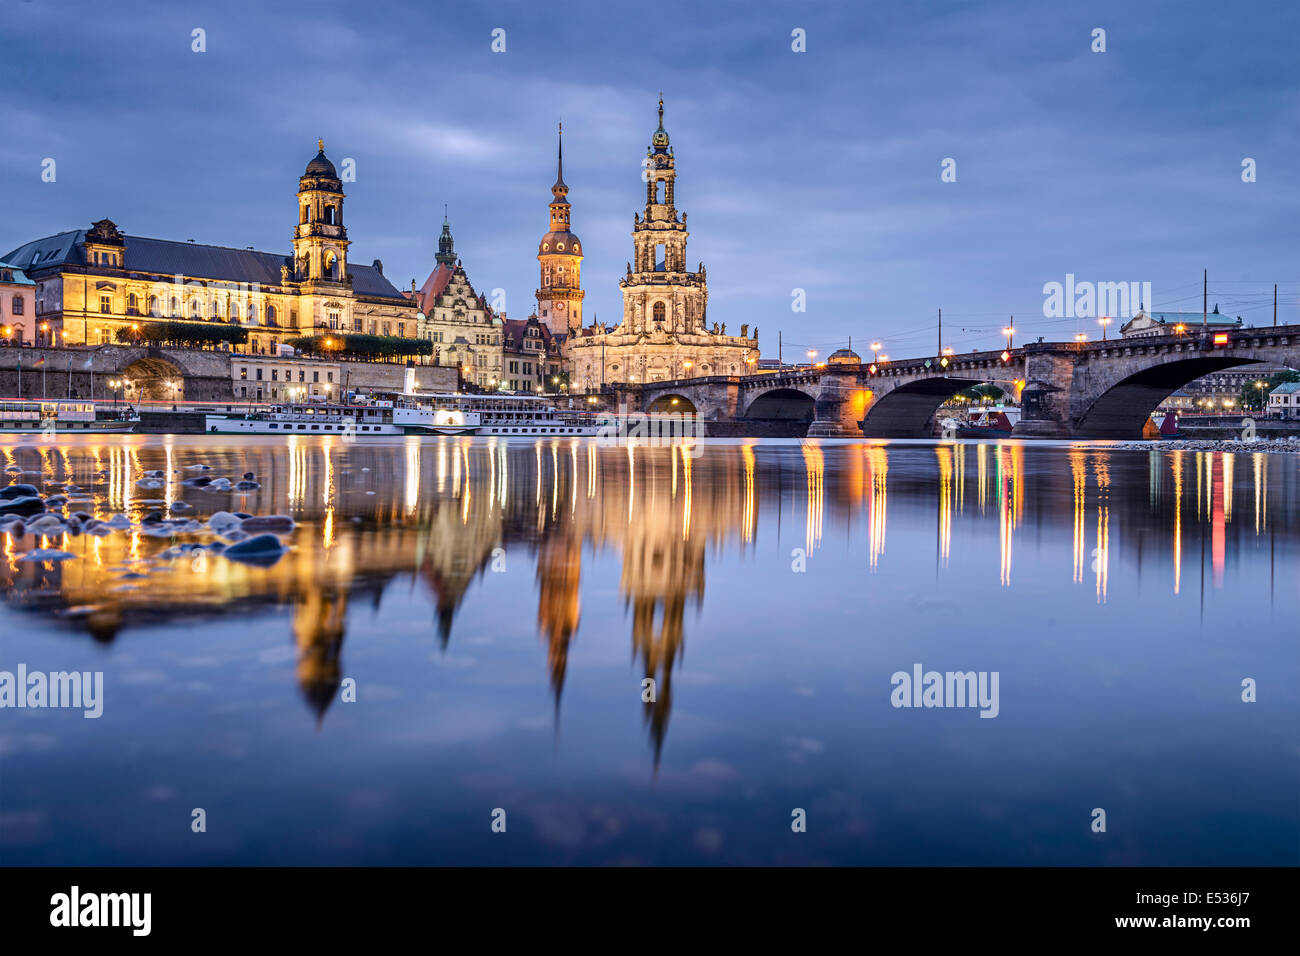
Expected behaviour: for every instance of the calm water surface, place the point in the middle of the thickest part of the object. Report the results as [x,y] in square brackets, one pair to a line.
[498,607]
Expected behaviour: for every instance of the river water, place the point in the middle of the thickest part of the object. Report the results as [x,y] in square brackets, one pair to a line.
[464,634]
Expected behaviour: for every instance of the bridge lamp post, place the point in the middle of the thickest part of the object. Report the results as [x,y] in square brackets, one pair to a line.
[1103,322]
[1009,332]
[1080,336]
[812,355]
[1180,329]
[875,347]
[1263,399]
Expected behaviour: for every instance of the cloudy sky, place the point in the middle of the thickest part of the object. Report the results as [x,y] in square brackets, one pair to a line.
[816,170]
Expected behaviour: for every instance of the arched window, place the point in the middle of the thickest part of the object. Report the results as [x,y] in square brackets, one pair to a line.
[252,313]
[306,213]
[659,312]
[176,306]
[133,304]
[195,308]
[270,315]
[153,306]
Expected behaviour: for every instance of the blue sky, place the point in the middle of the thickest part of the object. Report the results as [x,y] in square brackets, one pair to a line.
[817,171]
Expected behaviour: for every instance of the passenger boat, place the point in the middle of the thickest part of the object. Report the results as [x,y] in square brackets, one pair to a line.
[993,422]
[25,417]
[516,415]
[372,420]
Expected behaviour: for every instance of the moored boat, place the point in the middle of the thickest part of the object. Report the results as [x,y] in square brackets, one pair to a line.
[373,420]
[17,417]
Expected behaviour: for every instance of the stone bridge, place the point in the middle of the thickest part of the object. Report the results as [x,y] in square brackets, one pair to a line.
[1068,389]
[155,373]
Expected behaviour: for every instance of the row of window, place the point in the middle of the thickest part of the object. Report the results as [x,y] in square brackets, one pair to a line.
[232,311]
[288,374]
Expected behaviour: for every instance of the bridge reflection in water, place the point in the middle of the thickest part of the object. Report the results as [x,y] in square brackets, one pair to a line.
[441,515]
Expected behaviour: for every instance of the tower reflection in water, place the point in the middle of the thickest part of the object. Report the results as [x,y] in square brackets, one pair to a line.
[442,514]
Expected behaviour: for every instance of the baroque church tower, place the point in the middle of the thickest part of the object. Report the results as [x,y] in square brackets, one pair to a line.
[559,298]
[664,334]
[659,294]
[320,242]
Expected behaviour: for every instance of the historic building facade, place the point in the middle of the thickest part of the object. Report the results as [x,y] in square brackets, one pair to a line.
[530,355]
[559,296]
[664,333]
[92,283]
[18,309]
[460,323]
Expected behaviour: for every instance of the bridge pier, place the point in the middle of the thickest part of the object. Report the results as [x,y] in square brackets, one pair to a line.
[1045,398]
[839,407]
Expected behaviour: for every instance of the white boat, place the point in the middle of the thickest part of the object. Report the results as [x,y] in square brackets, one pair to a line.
[372,420]
[515,416]
[26,417]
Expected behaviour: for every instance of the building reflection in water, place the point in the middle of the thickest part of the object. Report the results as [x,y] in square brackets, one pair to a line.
[443,513]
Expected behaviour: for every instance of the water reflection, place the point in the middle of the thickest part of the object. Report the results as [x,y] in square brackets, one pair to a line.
[443,514]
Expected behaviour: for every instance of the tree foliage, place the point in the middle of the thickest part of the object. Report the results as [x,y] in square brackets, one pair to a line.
[361,346]
[1255,398]
[168,332]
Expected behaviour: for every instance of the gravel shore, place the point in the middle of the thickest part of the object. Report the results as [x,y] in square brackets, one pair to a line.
[1276,445]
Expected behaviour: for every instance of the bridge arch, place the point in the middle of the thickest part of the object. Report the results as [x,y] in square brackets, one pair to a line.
[907,410]
[1123,407]
[781,404]
[672,402]
[153,379]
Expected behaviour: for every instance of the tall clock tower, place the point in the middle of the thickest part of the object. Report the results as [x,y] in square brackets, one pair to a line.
[559,297]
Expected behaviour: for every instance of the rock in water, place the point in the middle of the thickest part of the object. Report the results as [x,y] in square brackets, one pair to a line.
[262,550]
[29,505]
[47,554]
[10,492]
[222,521]
[264,524]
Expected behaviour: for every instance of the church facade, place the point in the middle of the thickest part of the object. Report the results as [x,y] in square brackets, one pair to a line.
[460,323]
[93,283]
[665,332]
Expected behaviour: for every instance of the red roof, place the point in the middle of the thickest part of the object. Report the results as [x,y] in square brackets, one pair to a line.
[433,287]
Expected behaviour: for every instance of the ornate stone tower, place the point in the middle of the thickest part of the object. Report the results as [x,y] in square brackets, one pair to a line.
[559,299]
[658,293]
[320,242]
[663,335]
[446,254]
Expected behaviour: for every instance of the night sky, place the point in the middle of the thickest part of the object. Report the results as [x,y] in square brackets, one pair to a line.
[817,170]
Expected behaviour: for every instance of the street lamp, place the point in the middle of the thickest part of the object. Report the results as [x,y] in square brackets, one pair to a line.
[875,347]
[1009,331]
[1080,336]
[812,354]
[1103,322]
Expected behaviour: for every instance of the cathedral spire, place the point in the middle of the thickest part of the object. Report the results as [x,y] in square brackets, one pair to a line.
[560,191]
[660,139]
